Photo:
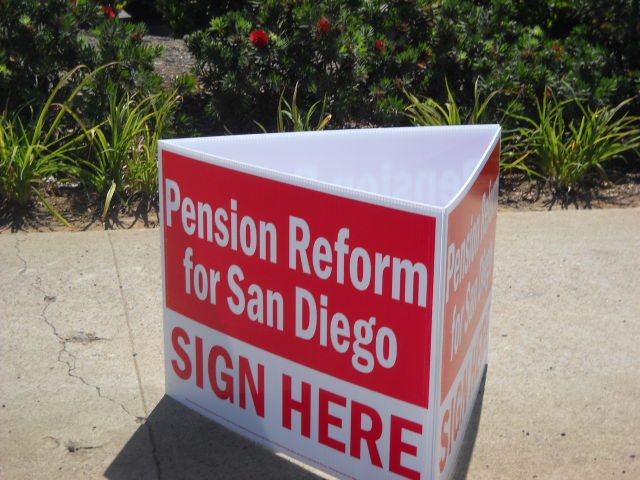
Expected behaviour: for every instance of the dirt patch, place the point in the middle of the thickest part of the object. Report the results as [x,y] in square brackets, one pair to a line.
[81,211]
[175,60]
[520,193]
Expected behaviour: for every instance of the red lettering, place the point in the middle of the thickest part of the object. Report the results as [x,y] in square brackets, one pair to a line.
[457,411]
[199,363]
[257,392]
[226,391]
[222,372]
[325,419]
[185,372]
[444,441]
[370,436]
[303,406]
[398,446]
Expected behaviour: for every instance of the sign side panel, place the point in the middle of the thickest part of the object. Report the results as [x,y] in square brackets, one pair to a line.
[454,413]
[467,284]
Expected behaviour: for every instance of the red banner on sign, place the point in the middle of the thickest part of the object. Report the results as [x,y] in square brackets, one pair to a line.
[341,286]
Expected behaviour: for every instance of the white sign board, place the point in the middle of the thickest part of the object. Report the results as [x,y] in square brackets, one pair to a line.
[327,294]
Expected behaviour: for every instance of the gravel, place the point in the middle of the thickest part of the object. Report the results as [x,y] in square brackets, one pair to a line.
[175,59]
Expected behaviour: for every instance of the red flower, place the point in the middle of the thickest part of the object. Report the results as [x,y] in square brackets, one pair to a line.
[379,45]
[259,38]
[324,25]
[109,12]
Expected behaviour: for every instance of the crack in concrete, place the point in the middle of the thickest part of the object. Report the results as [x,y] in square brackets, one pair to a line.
[20,257]
[67,357]
[64,355]
[154,449]
[85,338]
[74,447]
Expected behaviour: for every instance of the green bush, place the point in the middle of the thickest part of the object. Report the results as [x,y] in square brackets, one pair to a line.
[186,16]
[131,66]
[42,40]
[367,62]
[564,149]
[361,55]
[114,157]
[38,43]
[354,53]
[122,155]
[58,123]
[32,153]
[427,112]
[291,117]
[123,44]
[527,47]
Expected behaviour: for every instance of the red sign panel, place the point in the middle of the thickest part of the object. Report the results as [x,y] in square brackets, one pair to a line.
[341,286]
[469,267]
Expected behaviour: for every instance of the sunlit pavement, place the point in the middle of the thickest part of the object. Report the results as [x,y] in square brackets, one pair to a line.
[82,377]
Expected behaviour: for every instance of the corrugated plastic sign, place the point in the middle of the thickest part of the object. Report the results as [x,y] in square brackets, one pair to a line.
[327,294]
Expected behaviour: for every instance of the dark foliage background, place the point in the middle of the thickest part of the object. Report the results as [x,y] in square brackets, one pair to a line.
[373,50]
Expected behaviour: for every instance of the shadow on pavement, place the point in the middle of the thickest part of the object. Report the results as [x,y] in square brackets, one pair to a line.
[178,443]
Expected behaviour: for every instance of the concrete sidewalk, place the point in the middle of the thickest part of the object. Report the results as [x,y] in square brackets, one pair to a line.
[82,381]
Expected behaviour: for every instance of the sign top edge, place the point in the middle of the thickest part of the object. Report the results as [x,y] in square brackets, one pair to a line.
[490,129]
[419,169]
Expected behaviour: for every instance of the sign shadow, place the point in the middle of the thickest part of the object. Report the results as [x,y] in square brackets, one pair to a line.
[176,442]
[469,440]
